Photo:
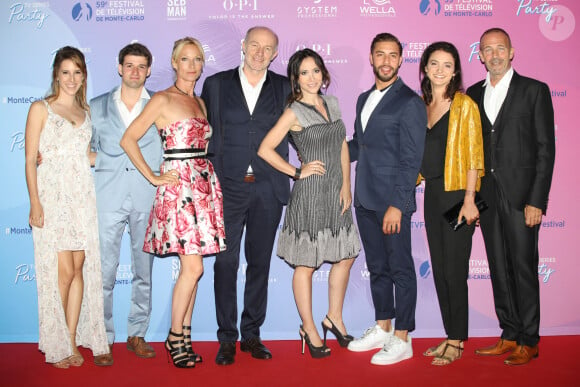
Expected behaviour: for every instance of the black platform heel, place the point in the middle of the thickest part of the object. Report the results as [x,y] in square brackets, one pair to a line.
[187,339]
[177,352]
[315,352]
[343,340]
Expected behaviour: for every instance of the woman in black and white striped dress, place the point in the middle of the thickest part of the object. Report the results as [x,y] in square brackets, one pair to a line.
[318,226]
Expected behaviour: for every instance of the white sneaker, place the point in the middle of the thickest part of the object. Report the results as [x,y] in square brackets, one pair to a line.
[394,351]
[373,338]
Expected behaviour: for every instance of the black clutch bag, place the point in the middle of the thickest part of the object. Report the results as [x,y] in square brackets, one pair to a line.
[452,214]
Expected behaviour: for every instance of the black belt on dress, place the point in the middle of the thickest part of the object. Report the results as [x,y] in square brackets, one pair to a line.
[184,154]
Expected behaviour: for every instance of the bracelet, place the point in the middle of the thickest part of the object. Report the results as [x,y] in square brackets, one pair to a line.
[297,173]
[469,193]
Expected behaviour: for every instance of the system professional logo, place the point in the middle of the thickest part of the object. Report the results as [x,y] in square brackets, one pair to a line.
[317,9]
[82,11]
[428,6]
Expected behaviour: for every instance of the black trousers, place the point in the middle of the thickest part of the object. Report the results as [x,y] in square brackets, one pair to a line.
[450,252]
[512,253]
[252,206]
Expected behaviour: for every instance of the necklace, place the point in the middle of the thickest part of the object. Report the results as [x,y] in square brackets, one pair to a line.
[181,91]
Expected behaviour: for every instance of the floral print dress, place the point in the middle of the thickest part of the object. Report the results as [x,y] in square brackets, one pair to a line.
[187,218]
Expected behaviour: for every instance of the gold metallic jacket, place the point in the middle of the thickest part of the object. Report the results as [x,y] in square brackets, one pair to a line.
[464,144]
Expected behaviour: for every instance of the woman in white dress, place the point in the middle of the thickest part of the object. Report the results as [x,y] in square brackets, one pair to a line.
[63,217]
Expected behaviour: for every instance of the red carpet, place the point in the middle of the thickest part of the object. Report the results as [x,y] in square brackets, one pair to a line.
[557,365]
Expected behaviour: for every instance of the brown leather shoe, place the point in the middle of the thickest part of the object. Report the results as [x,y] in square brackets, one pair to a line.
[502,346]
[522,355]
[140,347]
[106,359]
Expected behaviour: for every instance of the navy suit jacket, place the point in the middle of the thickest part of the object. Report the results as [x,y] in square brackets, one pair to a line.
[237,134]
[115,175]
[390,150]
[519,148]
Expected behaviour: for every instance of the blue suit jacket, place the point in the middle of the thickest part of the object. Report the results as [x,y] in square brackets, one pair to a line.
[237,134]
[390,151]
[115,175]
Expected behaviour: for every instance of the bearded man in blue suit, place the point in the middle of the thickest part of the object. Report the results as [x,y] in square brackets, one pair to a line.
[124,196]
[388,142]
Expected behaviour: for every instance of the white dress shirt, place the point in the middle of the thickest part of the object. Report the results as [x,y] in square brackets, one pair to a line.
[370,104]
[251,93]
[126,115]
[495,95]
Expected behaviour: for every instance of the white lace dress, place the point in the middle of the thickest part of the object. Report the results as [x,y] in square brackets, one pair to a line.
[67,194]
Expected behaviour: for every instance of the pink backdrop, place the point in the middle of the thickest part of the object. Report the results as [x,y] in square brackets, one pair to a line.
[546,47]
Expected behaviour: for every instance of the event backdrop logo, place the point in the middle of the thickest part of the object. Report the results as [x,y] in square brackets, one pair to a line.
[377,8]
[557,25]
[529,7]
[457,8]
[426,6]
[425,270]
[412,51]
[241,5]
[17,141]
[82,11]
[29,13]
[176,10]
[241,9]
[25,272]
[318,10]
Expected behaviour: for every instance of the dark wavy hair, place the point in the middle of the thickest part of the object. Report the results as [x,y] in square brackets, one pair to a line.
[294,72]
[136,49]
[78,58]
[456,83]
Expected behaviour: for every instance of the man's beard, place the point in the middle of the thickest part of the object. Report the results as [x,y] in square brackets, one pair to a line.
[384,78]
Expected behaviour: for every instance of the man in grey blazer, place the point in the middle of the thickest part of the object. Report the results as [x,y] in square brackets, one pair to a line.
[124,196]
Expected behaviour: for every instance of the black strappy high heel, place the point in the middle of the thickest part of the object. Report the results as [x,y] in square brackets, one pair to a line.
[176,350]
[315,352]
[343,340]
[187,339]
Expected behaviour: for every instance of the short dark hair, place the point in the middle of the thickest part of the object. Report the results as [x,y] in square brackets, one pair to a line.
[294,71]
[456,83]
[386,37]
[136,49]
[498,30]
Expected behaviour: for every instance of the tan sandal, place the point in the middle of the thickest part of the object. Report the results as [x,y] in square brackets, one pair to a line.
[447,358]
[76,359]
[436,350]
[63,364]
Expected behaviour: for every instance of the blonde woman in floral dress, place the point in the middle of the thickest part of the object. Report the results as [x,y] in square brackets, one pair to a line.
[187,214]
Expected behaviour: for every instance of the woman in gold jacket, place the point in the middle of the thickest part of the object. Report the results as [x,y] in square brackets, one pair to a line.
[452,168]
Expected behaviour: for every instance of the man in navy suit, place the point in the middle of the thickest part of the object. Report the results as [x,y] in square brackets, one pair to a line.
[388,144]
[124,196]
[519,148]
[243,104]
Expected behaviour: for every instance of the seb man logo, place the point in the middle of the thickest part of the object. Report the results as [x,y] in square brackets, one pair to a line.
[241,5]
